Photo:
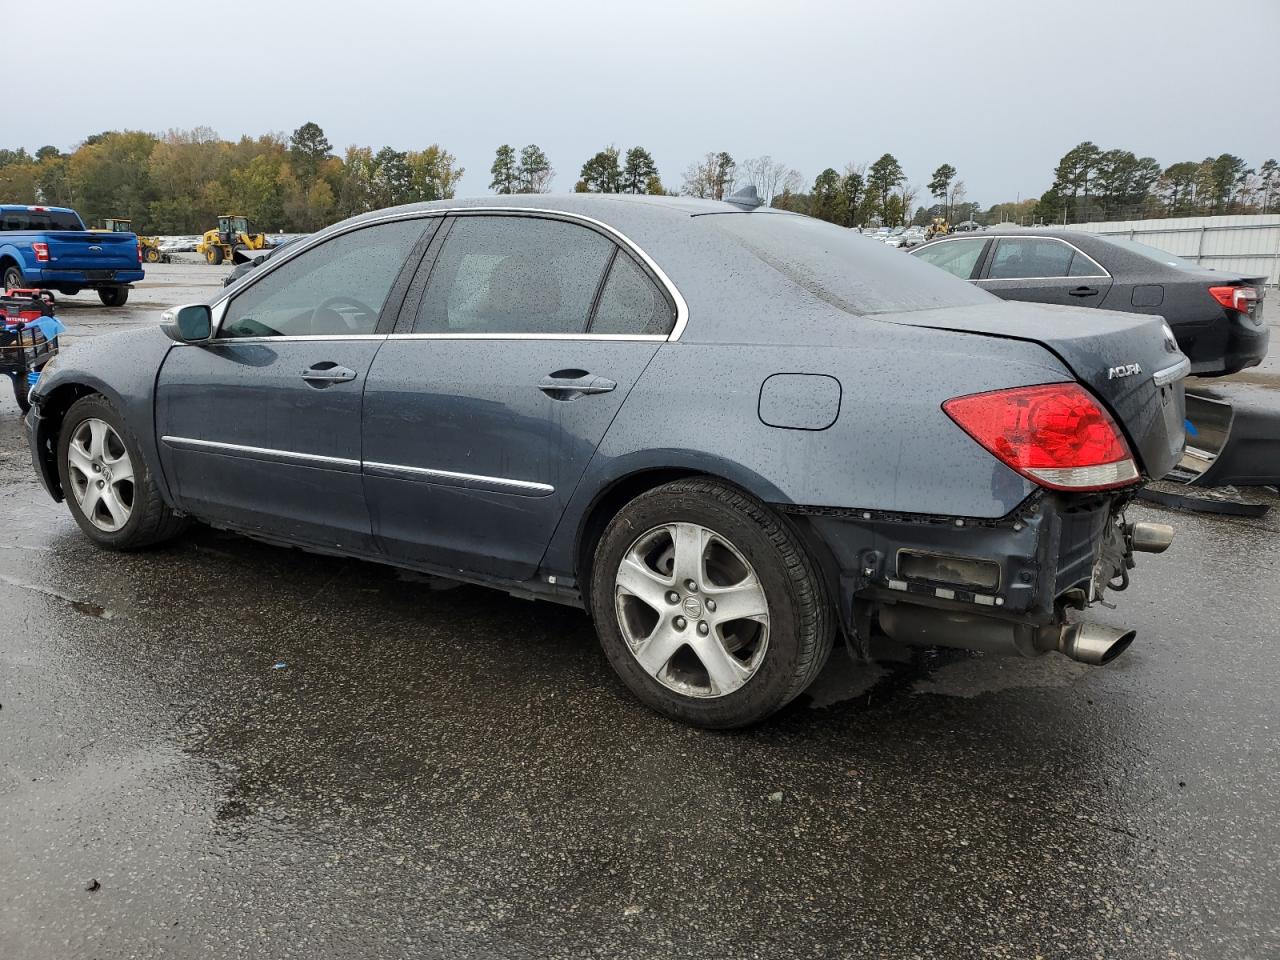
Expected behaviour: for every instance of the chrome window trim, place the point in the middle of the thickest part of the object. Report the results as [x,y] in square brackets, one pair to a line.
[1172,374]
[1104,275]
[682,308]
[474,481]
[270,454]
[657,338]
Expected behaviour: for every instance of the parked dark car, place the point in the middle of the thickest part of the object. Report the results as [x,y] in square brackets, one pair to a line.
[728,433]
[1216,316]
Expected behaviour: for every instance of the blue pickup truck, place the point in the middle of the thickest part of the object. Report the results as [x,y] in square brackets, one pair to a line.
[50,249]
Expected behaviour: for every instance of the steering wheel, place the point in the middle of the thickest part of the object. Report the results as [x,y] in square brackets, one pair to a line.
[363,310]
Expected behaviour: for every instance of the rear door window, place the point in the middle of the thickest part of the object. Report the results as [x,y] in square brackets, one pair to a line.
[514,275]
[1030,258]
[958,257]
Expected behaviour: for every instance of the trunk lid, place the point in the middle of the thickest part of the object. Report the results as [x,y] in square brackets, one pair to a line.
[88,250]
[1125,359]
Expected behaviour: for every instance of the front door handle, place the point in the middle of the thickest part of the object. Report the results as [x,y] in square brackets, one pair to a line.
[572,384]
[323,374]
[1084,292]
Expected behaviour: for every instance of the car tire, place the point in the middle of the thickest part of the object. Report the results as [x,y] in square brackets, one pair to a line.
[21,391]
[105,449]
[13,278]
[740,545]
[113,296]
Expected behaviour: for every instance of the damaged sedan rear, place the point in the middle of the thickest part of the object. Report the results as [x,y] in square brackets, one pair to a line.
[729,433]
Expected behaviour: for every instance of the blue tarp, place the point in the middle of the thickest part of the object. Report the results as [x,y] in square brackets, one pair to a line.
[49,326]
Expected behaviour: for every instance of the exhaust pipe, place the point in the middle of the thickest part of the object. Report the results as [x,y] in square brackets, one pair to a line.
[1090,643]
[1150,537]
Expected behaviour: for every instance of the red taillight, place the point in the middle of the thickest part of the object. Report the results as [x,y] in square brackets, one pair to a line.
[1056,434]
[1235,298]
[42,252]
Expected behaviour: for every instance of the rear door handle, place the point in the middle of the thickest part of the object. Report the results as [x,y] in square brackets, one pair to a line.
[572,384]
[323,374]
[1084,292]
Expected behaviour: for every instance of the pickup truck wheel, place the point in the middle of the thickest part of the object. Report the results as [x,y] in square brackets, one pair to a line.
[108,488]
[113,296]
[13,278]
[708,606]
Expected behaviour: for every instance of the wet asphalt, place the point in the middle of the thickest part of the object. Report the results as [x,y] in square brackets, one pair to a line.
[225,749]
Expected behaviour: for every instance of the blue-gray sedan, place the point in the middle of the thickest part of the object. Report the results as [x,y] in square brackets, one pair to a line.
[731,434]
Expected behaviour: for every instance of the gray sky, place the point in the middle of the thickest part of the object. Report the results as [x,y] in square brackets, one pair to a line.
[998,88]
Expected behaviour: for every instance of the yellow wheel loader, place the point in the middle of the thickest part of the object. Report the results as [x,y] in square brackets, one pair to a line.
[231,240]
[150,246]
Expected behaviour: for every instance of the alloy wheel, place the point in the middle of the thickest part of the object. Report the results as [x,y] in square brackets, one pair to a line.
[101,475]
[692,610]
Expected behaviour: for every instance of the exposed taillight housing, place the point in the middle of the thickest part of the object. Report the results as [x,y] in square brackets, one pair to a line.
[1235,298]
[42,252]
[1056,435]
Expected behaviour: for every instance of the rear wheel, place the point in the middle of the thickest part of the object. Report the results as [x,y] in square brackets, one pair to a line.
[13,278]
[113,296]
[109,489]
[708,606]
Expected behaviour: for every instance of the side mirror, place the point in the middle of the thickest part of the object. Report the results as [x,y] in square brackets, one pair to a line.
[192,323]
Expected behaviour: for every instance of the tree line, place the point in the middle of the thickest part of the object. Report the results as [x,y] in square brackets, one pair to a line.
[180,181]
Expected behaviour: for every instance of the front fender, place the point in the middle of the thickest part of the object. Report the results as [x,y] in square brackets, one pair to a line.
[121,367]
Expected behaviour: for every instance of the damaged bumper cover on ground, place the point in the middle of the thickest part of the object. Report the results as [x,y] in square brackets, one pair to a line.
[1001,586]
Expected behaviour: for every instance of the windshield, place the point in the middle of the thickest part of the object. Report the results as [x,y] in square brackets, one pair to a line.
[837,266]
[40,220]
[1151,253]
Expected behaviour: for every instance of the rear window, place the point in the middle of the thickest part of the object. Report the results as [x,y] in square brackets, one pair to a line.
[1151,253]
[841,268]
[39,221]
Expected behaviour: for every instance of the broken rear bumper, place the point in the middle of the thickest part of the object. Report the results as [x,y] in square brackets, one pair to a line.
[1055,551]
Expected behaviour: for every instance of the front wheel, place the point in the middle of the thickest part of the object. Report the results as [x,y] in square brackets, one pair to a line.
[107,485]
[708,606]
[152,255]
[113,296]
[214,255]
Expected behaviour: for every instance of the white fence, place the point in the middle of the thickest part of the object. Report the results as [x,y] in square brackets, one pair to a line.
[1248,243]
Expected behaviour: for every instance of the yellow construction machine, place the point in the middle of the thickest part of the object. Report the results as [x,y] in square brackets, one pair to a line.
[150,246]
[939,228]
[231,240]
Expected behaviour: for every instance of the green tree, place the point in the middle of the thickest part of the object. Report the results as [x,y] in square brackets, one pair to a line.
[433,174]
[308,149]
[47,152]
[853,195]
[883,178]
[1269,177]
[535,170]
[1072,179]
[940,186]
[825,200]
[505,171]
[601,174]
[638,171]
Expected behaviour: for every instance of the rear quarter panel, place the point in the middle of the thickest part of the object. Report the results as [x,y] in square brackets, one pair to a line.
[891,447]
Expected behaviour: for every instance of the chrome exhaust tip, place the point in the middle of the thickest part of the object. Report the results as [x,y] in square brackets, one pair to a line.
[1147,537]
[1093,643]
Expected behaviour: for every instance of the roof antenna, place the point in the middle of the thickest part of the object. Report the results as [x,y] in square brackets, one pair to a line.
[747,198]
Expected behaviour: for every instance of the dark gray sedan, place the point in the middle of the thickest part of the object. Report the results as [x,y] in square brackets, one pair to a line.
[731,434]
[1216,316]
